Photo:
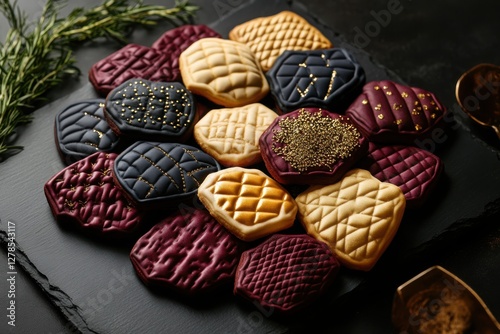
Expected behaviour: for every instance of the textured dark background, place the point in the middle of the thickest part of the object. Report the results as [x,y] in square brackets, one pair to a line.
[427,44]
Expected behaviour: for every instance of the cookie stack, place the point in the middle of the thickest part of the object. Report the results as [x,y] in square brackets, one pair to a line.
[216,135]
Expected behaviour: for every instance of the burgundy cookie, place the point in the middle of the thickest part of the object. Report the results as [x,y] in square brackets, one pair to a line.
[81,130]
[151,110]
[388,112]
[131,61]
[189,252]
[412,169]
[84,194]
[286,272]
[311,146]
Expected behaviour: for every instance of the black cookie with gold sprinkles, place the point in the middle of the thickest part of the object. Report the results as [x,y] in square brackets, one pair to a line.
[81,130]
[147,110]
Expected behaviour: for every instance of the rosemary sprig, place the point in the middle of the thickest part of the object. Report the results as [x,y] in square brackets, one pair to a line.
[36,56]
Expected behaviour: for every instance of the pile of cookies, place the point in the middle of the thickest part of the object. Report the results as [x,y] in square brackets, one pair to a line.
[185,129]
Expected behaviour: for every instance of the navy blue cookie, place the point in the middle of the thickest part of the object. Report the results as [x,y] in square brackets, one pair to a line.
[148,110]
[81,130]
[327,79]
[161,175]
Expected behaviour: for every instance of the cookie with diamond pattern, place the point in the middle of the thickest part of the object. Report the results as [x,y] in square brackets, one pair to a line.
[311,146]
[247,202]
[414,170]
[132,61]
[83,195]
[329,79]
[175,41]
[161,175]
[391,113]
[231,135]
[357,217]
[286,273]
[188,252]
[268,37]
[82,130]
[151,110]
[223,71]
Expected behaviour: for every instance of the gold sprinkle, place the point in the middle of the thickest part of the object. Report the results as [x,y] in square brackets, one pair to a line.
[396,106]
[303,65]
[418,127]
[378,107]
[314,140]
[380,116]
[365,101]
[415,112]
[398,121]
[433,116]
[385,87]
[416,103]
[404,95]
[389,93]
[432,103]
[99,133]
[426,107]
[421,96]
[376,87]
[101,105]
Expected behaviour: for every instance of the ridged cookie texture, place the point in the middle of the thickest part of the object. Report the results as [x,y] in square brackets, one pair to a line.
[231,135]
[286,272]
[160,175]
[151,110]
[268,37]
[223,71]
[82,130]
[311,146]
[388,112]
[329,79]
[414,170]
[357,217]
[188,252]
[247,202]
[84,195]
[176,40]
[130,62]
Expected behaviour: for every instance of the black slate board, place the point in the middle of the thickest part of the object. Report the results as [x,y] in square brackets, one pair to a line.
[94,284]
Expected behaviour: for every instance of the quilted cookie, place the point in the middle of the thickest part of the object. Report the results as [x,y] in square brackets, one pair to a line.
[147,110]
[223,71]
[188,252]
[268,37]
[175,41]
[356,217]
[412,169]
[231,135]
[247,202]
[328,79]
[84,195]
[311,146]
[130,62]
[286,272]
[81,130]
[160,175]
[388,112]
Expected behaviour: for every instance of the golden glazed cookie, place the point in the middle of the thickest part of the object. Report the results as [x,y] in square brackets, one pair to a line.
[268,37]
[231,135]
[223,71]
[247,202]
[357,217]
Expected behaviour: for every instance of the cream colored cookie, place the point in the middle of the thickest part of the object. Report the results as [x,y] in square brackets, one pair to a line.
[357,217]
[269,36]
[247,202]
[225,72]
[231,135]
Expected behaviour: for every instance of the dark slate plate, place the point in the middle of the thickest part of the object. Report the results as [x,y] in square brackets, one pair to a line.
[94,285]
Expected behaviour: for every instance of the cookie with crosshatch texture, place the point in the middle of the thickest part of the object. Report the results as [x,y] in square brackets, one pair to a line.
[81,130]
[311,146]
[223,71]
[388,112]
[176,40]
[131,61]
[356,217]
[268,37]
[149,110]
[188,251]
[161,175]
[414,170]
[231,135]
[247,202]
[328,79]
[83,195]
[286,272]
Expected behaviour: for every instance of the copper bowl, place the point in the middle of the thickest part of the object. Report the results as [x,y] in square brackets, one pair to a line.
[478,94]
[436,301]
